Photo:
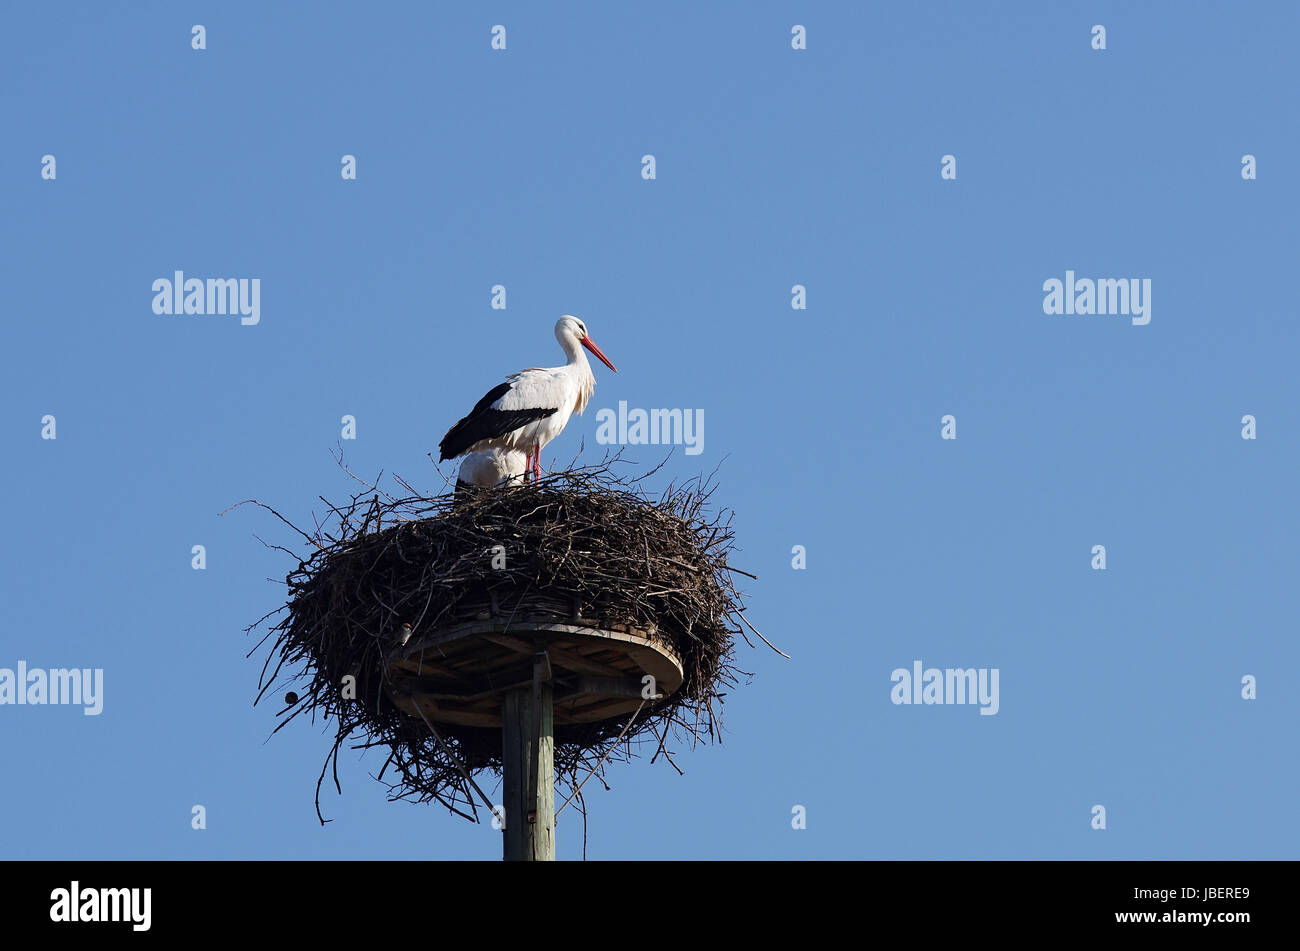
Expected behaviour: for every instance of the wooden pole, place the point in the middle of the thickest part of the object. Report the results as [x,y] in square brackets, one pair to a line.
[528,771]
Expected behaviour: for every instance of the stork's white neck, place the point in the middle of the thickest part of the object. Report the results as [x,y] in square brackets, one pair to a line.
[581,369]
[573,350]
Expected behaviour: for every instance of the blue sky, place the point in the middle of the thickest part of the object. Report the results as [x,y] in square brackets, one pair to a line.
[774,167]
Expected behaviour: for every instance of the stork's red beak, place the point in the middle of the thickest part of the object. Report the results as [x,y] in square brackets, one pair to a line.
[591,345]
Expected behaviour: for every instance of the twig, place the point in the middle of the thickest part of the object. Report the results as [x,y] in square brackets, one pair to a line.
[602,760]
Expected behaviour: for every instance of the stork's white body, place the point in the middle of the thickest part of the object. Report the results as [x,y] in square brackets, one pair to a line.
[492,468]
[531,407]
[568,389]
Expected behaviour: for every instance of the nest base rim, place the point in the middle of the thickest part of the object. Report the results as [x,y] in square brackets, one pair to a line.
[458,675]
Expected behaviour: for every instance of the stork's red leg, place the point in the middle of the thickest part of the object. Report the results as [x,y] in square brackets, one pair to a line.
[537,463]
[528,464]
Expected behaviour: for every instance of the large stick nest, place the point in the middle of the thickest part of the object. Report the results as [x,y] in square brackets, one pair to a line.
[583,537]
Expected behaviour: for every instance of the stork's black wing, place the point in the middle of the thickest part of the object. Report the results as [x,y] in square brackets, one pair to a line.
[484,422]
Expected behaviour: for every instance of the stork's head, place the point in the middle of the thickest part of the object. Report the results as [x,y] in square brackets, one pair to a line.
[572,332]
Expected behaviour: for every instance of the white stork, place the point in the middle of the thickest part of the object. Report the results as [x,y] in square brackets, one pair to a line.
[491,468]
[532,406]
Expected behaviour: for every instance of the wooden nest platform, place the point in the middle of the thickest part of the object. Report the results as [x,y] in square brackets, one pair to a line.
[413,618]
[459,675]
